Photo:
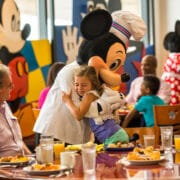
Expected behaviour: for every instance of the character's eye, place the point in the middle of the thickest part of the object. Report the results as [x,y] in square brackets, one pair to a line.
[115,65]
[13,23]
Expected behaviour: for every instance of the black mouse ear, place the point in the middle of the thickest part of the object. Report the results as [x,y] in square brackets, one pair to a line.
[95,24]
[177,28]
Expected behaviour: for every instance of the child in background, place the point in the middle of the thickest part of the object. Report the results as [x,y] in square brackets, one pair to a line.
[95,105]
[145,103]
[52,73]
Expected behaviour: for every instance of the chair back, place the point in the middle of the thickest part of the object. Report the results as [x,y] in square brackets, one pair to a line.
[26,118]
[141,131]
[36,112]
[167,115]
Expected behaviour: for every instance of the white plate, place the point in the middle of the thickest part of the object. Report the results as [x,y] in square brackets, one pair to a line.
[29,170]
[20,163]
[146,162]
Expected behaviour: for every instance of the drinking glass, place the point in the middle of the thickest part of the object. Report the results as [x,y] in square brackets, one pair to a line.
[46,144]
[68,159]
[89,157]
[177,158]
[58,148]
[149,140]
[177,142]
[166,137]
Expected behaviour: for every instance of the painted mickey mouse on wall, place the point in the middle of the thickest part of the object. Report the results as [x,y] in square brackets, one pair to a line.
[104,46]
[12,40]
[171,72]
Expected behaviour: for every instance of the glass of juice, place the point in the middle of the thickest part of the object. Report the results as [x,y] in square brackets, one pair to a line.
[58,148]
[177,158]
[177,142]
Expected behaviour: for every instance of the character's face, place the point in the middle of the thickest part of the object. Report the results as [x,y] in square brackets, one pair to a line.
[107,69]
[10,34]
[116,57]
[82,85]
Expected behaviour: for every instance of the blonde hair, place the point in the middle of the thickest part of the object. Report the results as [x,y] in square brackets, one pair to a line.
[90,73]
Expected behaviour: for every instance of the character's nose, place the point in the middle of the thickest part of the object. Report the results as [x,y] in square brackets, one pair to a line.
[26,31]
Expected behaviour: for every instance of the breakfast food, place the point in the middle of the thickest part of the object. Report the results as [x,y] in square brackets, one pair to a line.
[74,147]
[45,167]
[147,153]
[14,159]
[77,147]
[120,145]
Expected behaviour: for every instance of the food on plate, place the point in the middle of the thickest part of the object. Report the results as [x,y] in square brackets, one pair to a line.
[77,147]
[147,153]
[45,167]
[123,111]
[99,147]
[14,159]
[120,145]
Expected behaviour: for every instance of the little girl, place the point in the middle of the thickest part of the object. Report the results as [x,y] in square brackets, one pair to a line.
[97,105]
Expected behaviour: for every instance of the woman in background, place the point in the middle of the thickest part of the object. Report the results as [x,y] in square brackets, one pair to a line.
[52,73]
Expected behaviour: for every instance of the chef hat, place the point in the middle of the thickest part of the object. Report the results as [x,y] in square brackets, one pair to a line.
[125,24]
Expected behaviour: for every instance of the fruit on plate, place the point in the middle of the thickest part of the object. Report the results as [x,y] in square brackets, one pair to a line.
[14,159]
[75,147]
[45,167]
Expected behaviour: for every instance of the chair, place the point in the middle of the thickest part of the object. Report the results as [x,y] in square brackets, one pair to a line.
[26,118]
[142,131]
[167,115]
[36,112]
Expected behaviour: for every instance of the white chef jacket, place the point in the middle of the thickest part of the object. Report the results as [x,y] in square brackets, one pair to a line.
[55,118]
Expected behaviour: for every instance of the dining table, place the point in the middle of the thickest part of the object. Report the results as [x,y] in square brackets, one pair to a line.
[109,165]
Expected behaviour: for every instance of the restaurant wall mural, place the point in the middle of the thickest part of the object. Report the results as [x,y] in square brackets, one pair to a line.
[28,61]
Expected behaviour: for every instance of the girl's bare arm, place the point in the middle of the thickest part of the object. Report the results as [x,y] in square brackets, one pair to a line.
[129,117]
[78,112]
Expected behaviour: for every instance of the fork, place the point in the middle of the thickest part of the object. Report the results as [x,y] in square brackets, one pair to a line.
[62,173]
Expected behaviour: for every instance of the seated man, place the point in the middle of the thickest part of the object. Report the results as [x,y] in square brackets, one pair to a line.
[11,143]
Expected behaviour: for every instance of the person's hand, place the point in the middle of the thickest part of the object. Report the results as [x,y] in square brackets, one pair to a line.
[71,43]
[65,96]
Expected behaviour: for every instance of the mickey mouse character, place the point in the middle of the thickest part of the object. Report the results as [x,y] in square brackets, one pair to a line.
[104,47]
[12,40]
[171,72]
